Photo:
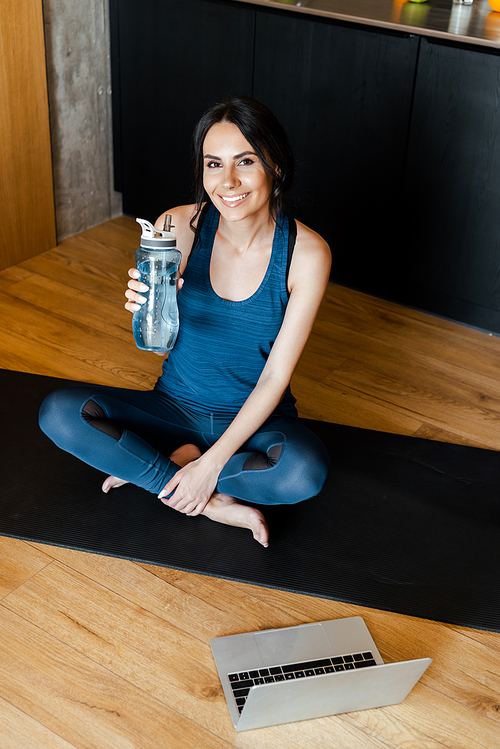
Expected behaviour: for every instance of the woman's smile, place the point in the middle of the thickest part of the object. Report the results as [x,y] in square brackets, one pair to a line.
[233,199]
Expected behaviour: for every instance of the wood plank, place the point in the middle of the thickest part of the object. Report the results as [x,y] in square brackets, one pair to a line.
[436,397]
[49,295]
[18,562]
[19,730]
[13,275]
[89,354]
[127,639]
[382,309]
[200,613]
[341,404]
[81,701]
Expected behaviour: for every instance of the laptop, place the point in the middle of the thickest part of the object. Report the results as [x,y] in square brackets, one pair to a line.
[308,671]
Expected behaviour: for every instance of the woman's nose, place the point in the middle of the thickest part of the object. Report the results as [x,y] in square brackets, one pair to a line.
[230,177]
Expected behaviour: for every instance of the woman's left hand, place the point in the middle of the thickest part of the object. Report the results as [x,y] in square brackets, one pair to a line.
[193,486]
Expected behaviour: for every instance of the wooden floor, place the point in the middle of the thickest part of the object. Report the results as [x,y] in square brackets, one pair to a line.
[101,653]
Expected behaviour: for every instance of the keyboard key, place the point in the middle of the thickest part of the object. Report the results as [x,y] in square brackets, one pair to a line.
[368,656]
[307,664]
[348,658]
[241,701]
[289,676]
[275,670]
[233,677]
[349,666]
[247,683]
[337,661]
[254,674]
[363,664]
[279,677]
[243,675]
[264,672]
[241,693]
[318,671]
[260,680]
[329,669]
[299,674]
[311,672]
[268,679]
[340,667]
[358,657]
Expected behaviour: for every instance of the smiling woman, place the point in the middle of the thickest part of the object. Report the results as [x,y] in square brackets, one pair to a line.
[220,428]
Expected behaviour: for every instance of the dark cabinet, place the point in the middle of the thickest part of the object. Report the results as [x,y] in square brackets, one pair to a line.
[451,202]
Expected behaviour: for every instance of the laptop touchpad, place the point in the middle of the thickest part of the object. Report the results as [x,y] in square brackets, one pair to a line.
[293,645]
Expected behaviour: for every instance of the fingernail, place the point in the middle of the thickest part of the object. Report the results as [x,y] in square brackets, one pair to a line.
[162,494]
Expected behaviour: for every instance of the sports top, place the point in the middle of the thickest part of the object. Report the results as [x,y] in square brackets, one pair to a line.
[222,345]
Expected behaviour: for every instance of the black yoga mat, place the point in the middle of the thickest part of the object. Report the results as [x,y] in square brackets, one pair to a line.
[403,524]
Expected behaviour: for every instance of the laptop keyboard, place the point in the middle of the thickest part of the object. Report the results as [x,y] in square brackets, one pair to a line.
[242,681]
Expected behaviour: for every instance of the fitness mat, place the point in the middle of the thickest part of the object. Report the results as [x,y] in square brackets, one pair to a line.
[403,524]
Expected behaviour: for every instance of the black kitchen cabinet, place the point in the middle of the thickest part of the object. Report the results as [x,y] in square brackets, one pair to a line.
[451,200]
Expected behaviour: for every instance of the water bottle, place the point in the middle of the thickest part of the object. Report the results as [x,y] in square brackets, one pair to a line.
[156,324]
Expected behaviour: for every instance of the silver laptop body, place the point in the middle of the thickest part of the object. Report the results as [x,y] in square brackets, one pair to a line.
[309,671]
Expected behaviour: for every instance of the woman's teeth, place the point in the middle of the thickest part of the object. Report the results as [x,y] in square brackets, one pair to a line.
[235,199]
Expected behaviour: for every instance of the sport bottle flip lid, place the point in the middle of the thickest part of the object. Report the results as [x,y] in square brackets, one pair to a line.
[156,239]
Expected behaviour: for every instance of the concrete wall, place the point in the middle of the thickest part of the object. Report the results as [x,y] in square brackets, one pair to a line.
[79,82]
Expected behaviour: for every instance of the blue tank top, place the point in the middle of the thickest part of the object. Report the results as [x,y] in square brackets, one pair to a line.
[222,346]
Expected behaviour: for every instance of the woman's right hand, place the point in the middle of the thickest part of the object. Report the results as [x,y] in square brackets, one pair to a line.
[135,288]
[133,293]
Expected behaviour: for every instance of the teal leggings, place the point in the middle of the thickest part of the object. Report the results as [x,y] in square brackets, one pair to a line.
[130,434]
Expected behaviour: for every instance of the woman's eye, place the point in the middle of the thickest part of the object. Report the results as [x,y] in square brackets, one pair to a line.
[244,162]
[212,164]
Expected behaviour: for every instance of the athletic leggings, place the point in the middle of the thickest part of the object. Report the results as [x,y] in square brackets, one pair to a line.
[130,434]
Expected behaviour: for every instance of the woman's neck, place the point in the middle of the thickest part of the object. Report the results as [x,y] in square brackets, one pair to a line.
[248,232]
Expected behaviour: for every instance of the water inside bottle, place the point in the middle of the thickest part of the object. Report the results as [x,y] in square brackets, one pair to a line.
[156,324]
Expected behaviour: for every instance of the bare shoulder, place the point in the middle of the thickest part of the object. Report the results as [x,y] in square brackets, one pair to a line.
[311,257]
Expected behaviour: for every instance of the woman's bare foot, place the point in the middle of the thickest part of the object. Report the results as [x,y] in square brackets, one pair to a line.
[227,510]
[182,456]
[185,454]
[112,482]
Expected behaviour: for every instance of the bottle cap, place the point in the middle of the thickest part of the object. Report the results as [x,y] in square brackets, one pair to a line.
[155,239]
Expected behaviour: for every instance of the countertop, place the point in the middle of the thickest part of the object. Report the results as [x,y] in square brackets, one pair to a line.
[470,24]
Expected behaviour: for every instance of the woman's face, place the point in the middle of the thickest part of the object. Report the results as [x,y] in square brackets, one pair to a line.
[233,174]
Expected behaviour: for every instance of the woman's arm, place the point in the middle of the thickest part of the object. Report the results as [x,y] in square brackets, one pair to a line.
[309,272]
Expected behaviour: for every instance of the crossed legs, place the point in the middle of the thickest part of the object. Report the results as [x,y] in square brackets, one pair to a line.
[141,437]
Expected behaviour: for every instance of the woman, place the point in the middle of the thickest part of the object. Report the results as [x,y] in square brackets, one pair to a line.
[220,428]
